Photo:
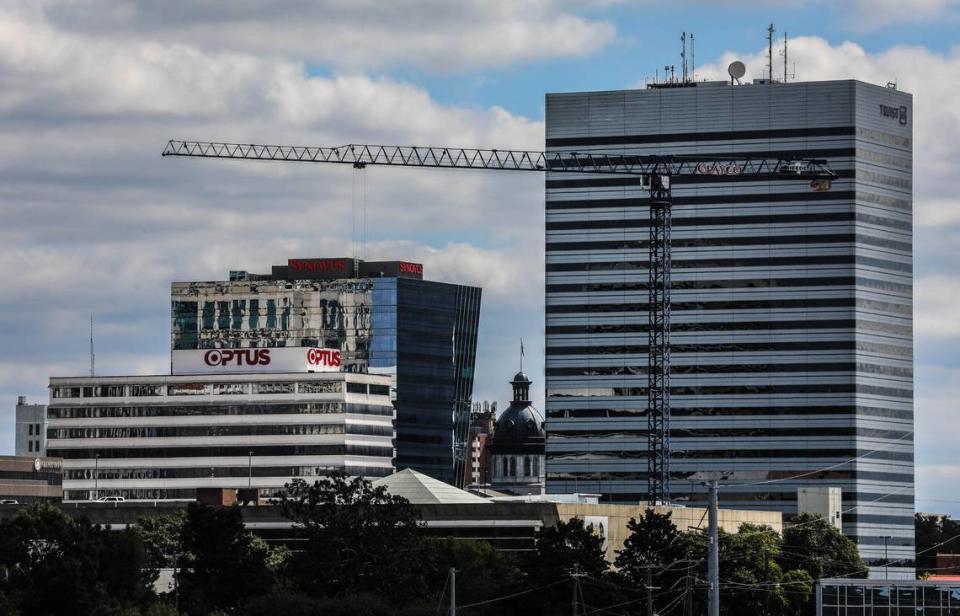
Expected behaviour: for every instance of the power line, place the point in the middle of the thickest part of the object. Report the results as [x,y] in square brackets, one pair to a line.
[505,597]
[828,468]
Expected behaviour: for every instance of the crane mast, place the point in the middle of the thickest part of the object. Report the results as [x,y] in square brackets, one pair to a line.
[657,173]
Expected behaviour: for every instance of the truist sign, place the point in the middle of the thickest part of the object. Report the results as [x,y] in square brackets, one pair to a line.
[233,361]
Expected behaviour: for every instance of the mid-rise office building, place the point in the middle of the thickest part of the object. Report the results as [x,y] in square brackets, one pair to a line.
[30,438]
[165,437]
[791,309]
[26,480]
[382,317]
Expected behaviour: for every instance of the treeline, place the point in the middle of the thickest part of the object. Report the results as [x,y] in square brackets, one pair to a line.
[363,552]
[936,534]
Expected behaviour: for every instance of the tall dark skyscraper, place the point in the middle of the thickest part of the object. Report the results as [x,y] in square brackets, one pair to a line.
[792,309]
[382,317]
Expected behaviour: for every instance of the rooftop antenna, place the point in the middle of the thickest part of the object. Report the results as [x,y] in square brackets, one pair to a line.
[784,56]
[770,31]
[683,55]
[92,356]
[693,59]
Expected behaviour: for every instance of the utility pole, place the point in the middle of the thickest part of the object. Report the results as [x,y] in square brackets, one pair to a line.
[453,592]
[713,558]
[575,575]
[649,591]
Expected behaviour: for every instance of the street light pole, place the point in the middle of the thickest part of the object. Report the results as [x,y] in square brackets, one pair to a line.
[886,558]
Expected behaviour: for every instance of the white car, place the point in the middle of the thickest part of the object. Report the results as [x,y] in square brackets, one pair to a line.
[111,499]
[9,501]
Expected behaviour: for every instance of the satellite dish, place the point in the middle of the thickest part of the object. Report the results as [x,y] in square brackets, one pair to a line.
[736,70]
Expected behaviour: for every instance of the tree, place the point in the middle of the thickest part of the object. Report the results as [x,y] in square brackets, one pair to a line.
[52,564]
[561,551]
[354,532]
[483,573]
[650,557]
[813,544]
[749,571]
[222,564]
[161,536]
[935,534]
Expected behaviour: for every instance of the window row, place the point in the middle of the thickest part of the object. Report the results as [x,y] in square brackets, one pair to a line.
[218,430]
[305,408]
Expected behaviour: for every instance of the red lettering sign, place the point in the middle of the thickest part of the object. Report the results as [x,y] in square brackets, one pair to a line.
[317,265]
[324,357]
[411,268]
[237,357]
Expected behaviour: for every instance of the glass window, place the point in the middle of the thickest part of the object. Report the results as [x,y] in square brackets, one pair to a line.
[30,446]
[356,388]
[513,467]
[30,430]
[527,466]
[254,314]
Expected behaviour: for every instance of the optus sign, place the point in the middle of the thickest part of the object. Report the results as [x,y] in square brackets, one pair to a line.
[237,357]
[279,359]
[324,357]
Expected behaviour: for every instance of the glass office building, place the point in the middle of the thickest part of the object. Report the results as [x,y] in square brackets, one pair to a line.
[843,597]
[792,309]
[381,317]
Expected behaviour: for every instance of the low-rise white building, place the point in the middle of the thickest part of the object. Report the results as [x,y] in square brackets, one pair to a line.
[164,437]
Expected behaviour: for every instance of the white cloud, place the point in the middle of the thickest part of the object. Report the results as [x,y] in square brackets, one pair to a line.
[936,298]
[870,14]
[353,34]
[95,221]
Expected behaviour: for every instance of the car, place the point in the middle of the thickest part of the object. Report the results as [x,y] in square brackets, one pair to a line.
[111,499]
[9,501]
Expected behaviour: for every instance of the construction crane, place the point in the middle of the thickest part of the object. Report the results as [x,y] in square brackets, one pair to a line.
[656,173]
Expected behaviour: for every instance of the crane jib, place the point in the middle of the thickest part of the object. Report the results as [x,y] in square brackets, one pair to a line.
[657,172]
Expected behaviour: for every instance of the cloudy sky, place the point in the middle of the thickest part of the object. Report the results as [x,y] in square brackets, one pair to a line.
[95,221]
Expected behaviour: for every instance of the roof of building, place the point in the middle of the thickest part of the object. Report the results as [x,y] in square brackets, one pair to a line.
[421,489]
[521,422]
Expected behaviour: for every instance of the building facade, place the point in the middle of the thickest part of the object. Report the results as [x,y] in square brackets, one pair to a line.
[382,317]
[482,418]
[517,445]
[165,437]
[791,309]
[26,480]
[31,431]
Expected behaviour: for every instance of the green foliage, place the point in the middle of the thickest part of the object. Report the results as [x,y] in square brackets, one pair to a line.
[161,537]
[568,547]
[935,535]
[653,553]
[291,604]
[355,532]
[222,564]
[52,564]
[649,546]
[811,543]
[482,571]
[750,572]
